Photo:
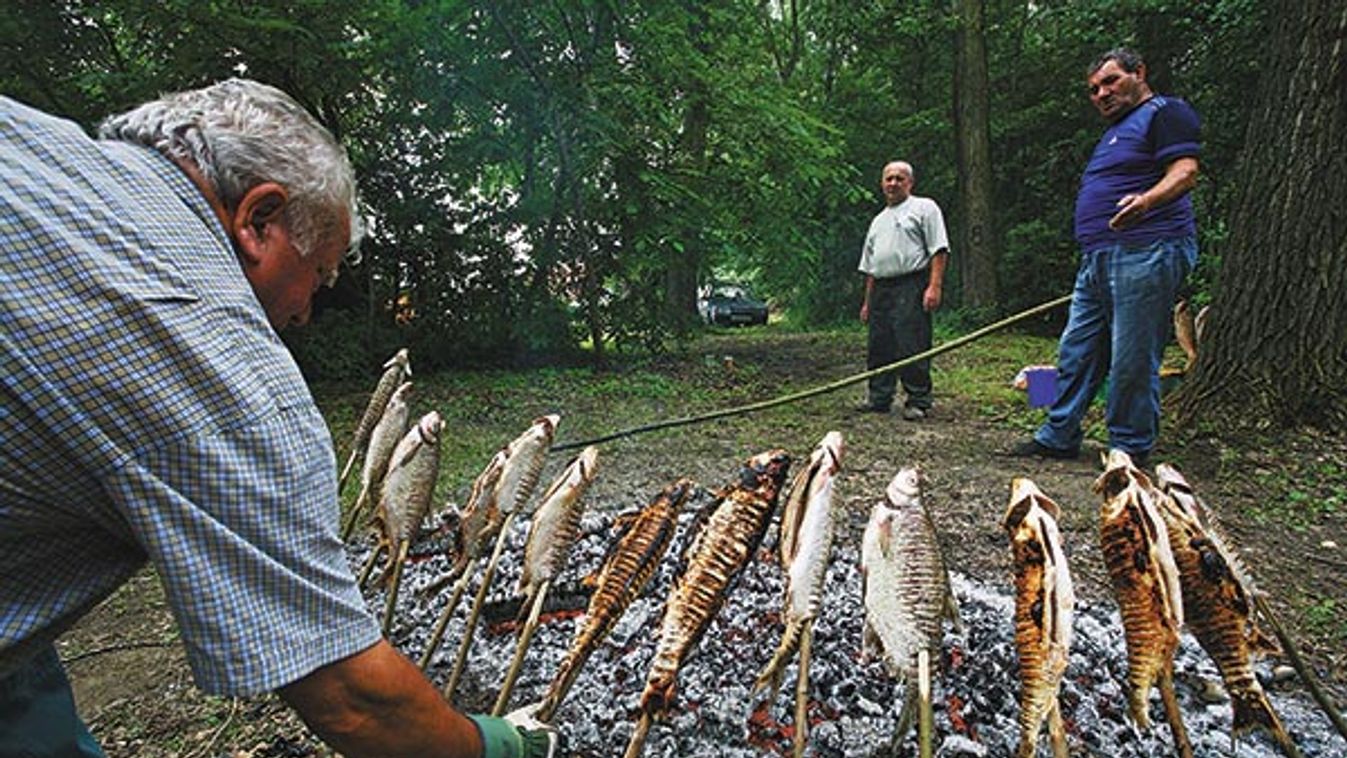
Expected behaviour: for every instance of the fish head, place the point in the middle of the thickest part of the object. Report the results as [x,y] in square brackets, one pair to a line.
[1169,478]
[831,449]
[1025,496]
[905,488]
[401,360]
[402,396]
[429,428]
[878,534]
[765,472]
[587,462]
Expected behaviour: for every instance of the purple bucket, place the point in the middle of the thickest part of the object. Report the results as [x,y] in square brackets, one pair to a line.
[1042,386]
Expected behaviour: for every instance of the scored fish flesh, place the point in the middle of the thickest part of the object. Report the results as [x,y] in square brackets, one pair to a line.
[408,486]
[714,560]
[1044,608]
[1218,602]
[641,542]
[556,525]
[807,526]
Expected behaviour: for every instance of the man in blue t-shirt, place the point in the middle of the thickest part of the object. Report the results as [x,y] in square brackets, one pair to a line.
[1138,240]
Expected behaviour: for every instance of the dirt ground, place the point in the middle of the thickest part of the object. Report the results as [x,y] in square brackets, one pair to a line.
[135,691]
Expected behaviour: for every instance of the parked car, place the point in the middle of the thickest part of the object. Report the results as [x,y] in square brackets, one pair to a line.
[730,305]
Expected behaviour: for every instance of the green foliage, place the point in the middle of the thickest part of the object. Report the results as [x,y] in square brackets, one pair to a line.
[538,176]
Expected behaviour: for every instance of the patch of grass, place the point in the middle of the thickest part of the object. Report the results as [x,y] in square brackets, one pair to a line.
[1325,619]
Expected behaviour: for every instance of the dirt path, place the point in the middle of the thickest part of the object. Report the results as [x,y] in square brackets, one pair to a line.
[140,701]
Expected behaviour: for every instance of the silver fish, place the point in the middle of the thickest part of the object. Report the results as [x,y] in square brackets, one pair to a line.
[906,585]
[409,484]
[556,525]
[396,369]
[383,440]
[807,526]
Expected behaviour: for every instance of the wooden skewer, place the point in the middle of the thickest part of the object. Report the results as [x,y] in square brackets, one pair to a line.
[1174,715]
[1306,674]
[368,568]
[476,611]
[1057,732]
[802,690]
[346,470]
[525,636]
[361,501]
[925,715]
[438,633]
[638,737]
[397,582]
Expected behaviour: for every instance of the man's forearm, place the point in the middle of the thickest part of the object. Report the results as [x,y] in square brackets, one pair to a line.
[377,703]
[938,268]
[1180,177]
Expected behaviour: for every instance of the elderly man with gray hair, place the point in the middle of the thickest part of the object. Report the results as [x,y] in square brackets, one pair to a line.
[149,412]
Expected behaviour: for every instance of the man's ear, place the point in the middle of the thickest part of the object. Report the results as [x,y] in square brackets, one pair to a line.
[252,221]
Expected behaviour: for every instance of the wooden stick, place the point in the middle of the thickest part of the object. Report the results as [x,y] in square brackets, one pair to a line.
[369,565]
[1057,731]
[1306,673]
[393,589]
[802,689]
[352,518]
[1174,715]
[525,636]
[346,470]
[446,614]
[476,611]
[925,717]
[638,737]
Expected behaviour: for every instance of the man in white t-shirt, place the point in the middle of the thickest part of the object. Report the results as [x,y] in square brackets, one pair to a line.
[904,265]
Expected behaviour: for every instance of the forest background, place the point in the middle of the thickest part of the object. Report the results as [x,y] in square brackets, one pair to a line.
[553,182]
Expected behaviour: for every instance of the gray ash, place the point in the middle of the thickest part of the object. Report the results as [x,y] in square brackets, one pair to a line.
[853,706]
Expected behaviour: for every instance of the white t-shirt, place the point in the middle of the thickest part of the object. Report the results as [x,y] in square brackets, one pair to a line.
[903,238]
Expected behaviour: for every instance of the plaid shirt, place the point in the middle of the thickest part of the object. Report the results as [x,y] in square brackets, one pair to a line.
[148,411]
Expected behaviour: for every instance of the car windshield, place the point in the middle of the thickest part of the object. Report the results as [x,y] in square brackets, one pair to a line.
[729,291]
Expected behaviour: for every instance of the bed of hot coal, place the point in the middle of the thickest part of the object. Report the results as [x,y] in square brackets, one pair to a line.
[853,707]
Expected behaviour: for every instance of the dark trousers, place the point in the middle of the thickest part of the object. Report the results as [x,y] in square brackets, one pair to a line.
[37,713]
[899,328]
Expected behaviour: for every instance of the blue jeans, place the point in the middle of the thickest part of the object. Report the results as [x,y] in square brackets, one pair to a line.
[1118,327]
[37,713]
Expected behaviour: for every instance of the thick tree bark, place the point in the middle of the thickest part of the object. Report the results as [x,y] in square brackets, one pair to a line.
[976,254]
[1275,346]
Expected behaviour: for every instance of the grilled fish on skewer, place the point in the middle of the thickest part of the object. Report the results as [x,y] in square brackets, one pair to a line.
[390,430]
[714,560]
[643,539]
[906,590]
[405,499]
[396,370]
[556,525]
[806,542]
[1044,605]
[524,458]
[1135,544]
[1218,604]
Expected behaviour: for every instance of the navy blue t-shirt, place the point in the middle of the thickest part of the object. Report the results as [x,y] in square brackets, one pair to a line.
[1129,159]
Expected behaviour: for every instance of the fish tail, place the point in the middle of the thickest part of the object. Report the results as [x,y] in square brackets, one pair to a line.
[775,671]
[1253,711]
[1138,706]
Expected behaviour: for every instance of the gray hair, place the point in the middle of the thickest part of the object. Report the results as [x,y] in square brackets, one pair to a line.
[240,133]
[1128,60]
[905,166]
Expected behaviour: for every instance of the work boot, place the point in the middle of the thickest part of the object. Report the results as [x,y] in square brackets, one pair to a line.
[1034,449]
[913,413]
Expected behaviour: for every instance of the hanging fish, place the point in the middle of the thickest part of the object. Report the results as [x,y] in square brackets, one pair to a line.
[396,369]
[714,560]
[1218,603]
[642,540]
[408,486]
[1135,544]
[1044,604]
[504,486]
[807,526]
[383,440]
[556,525]
[906,588]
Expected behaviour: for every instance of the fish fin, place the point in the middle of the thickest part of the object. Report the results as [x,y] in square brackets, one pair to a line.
[951,611]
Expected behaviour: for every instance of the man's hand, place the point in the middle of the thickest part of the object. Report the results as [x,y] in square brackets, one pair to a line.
[930,299]
[865,312]
[1131,209]
[540,739]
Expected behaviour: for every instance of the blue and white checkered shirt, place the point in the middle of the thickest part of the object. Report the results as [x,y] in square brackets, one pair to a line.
[148,410]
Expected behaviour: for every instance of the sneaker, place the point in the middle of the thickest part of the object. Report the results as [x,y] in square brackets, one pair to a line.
[913,413]
[1034,449]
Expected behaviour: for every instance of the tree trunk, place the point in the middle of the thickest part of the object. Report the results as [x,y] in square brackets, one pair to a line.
[1275,347]
[976,254]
